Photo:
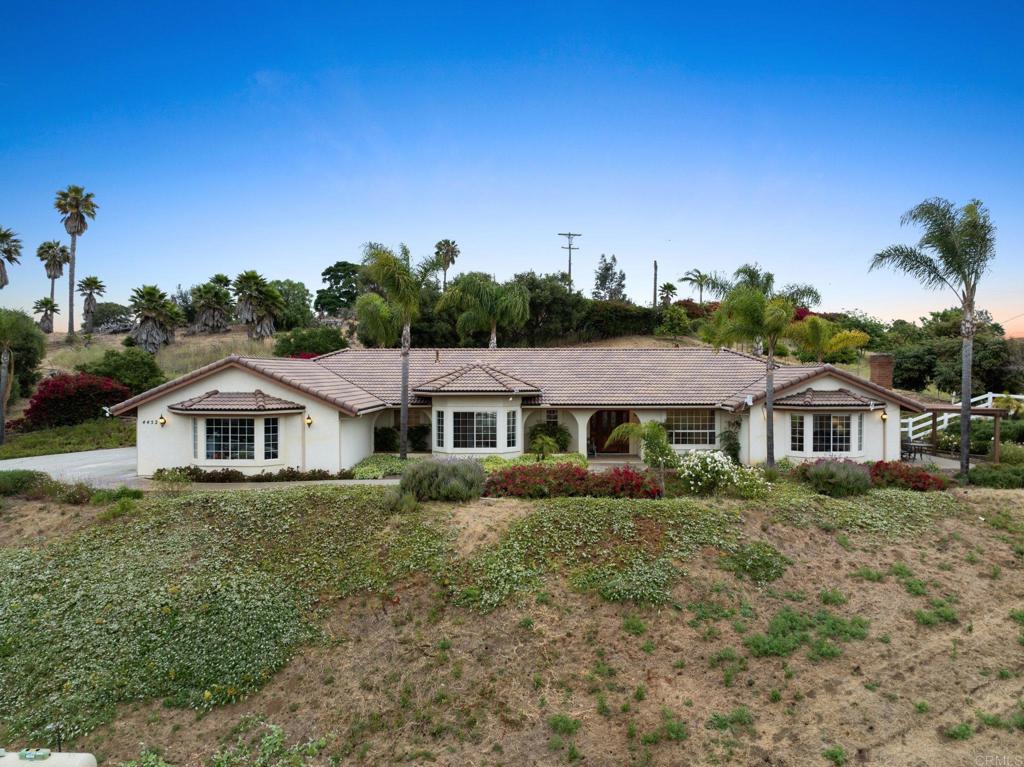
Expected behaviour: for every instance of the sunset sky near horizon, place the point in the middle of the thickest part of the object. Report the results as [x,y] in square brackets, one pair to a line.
[281,136]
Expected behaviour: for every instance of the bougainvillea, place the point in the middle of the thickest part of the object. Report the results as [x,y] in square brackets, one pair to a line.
[897,474]
[65,400]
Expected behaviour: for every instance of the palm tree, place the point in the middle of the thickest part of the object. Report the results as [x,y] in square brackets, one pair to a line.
[10,253]
[655,447]
[695,278]
[54,256]
[213,305]
[747,314]
[258,303]
[445,253]
[485,304]
[753,276]
[75,205]
[221,279]
[89,288]
[7,331]
[378,324]
[816,335]
[47,308]
[399,285]
[667,292]
[157,316]
[955,251]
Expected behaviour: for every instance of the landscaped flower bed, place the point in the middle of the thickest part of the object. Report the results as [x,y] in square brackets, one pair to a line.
[898,474]
[560,480]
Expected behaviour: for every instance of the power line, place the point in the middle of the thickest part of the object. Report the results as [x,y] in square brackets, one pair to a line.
[570,247]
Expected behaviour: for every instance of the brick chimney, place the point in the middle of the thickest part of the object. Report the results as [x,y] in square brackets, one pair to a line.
[881,369]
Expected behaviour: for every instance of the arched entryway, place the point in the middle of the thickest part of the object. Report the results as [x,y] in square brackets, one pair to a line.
[600,426]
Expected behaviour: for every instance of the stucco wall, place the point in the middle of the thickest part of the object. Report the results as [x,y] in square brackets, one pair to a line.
[314,447]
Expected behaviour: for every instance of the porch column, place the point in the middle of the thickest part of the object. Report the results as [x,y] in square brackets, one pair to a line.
[995,438]
[582,418]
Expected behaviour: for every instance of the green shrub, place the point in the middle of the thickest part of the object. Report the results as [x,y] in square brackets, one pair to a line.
[419,438]
[385,439]
[452,480]
[962,731]
[496,462]
[837,479]
[102,497]
[1001,476]
[836,755]
[309,342]
[759,561]
[556,431]
[28,345]
[563,724]
[20,481]
[134,368]
[1011,454]
[380,465]
[95,434]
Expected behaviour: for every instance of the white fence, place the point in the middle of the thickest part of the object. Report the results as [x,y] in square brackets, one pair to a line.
[919,426]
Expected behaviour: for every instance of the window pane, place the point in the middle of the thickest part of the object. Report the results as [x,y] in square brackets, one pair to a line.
[463,429]
[860,432]
[230,438]
[551,416]
[831,434]
[841,434]
[486,429]
[439,438]
[510,428]
[691,427]
[270,438]
[796,433]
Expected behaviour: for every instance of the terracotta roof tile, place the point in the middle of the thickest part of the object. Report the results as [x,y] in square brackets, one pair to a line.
[477,377]
[223,401]
[827,398]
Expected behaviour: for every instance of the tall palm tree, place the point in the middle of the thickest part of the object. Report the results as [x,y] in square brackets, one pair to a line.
[10,253]
[399,285]
[816,335]
[75,206]
[221,279]
[54,256]
[753,276]
[747,314]
[213,305]
[89,288]
[666,292]
[486,304]
[157,316]
[258,303]
[445,252]
[47,308]
[955,250]
[699,280]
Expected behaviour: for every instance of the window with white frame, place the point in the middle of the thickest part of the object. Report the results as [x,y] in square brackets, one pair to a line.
[471,429]
[551,416]
[271,439]
[439,429]
[796,433]
[831,434]
[510,428]
[691,427]
[230,439]
[195,437]
[860,432]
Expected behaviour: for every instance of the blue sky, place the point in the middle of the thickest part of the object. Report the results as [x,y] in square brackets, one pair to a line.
[284,136]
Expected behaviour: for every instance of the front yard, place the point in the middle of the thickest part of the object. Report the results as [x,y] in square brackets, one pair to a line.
[316,626]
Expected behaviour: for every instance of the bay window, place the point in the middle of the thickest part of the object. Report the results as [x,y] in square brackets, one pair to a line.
[230,439]
[471,429]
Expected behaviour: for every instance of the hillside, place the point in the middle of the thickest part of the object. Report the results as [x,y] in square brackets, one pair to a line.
[503,632]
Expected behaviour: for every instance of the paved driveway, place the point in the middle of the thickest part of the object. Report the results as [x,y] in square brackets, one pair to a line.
[100,468]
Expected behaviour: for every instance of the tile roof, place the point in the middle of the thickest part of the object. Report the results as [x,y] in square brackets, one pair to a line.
[477,377]
[827,398]
[363,380]
[239,401]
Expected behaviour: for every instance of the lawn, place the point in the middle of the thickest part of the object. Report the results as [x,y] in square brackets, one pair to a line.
[313,626]
[91,435]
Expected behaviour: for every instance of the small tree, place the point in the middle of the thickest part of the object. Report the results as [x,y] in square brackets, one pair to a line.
[47,308]
[258,303]
[666,293]
[820,338]
[655,448]
[609,280]
[543,446]
[89,288]
[485,304]
[157,316]
[22,347]
[213,307]
[674,323]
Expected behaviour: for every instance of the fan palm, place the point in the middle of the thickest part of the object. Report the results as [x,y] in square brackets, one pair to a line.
[399,286]
[213,305]
[47,308]
[747,314]
[445,253]
[75,206]
[258,303]
[54,256]
[10,253]
[90,288]
[955,251]
[667,292]
[221,279]
[486,304]
[816,335]
[157,316]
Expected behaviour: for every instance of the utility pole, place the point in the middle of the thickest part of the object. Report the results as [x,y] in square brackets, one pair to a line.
[570,247]
[654,301]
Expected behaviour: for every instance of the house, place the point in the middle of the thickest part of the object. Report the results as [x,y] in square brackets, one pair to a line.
[257,414]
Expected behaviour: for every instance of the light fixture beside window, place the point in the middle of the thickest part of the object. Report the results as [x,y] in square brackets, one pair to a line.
[309,420]
[161,420]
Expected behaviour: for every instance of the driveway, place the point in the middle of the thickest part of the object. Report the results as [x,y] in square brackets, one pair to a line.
[100,468]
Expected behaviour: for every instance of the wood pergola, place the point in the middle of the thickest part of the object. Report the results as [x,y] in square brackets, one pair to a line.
[995,413]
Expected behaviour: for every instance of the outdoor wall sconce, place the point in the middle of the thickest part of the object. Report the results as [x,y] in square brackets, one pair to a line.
[885,416]
[161,420]
[309,421]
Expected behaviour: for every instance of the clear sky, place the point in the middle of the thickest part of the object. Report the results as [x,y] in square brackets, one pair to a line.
[281,136]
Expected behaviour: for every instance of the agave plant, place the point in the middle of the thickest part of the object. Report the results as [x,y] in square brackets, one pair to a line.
[54,256]
[75,206]
[46,308]
[157,316]
[89,288]
[258,303]
[213,305]
[10,253]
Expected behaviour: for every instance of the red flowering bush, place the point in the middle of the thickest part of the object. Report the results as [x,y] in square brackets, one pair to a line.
[539,480]
[897,474]
[65,400]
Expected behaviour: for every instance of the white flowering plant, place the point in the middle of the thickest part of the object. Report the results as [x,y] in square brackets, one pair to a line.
[703,472]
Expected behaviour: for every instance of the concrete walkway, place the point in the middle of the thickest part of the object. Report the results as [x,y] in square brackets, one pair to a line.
[100,468]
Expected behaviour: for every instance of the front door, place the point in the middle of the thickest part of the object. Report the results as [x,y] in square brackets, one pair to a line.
[602,424]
